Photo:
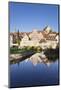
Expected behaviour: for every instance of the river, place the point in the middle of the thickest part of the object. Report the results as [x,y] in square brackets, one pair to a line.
[34,71]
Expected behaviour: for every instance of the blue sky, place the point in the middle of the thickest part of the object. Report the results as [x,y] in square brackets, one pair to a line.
[27,17]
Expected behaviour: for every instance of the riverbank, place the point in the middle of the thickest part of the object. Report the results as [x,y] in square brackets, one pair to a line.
[51,54]
[17,54]
[19,57]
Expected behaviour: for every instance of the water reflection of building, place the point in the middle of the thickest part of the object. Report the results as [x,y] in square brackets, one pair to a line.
[39,58]
[48,63]
[35,59]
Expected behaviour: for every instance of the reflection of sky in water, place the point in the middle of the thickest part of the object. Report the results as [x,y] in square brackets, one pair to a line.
[26,74]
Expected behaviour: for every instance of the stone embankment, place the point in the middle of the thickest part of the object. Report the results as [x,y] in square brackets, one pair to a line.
[20,57]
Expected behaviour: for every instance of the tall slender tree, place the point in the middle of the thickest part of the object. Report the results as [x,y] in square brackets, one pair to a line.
[18,38]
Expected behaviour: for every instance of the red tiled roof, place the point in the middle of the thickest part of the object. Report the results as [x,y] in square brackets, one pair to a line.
[47,36]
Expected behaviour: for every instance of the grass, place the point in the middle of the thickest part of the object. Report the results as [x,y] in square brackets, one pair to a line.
[15,50]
